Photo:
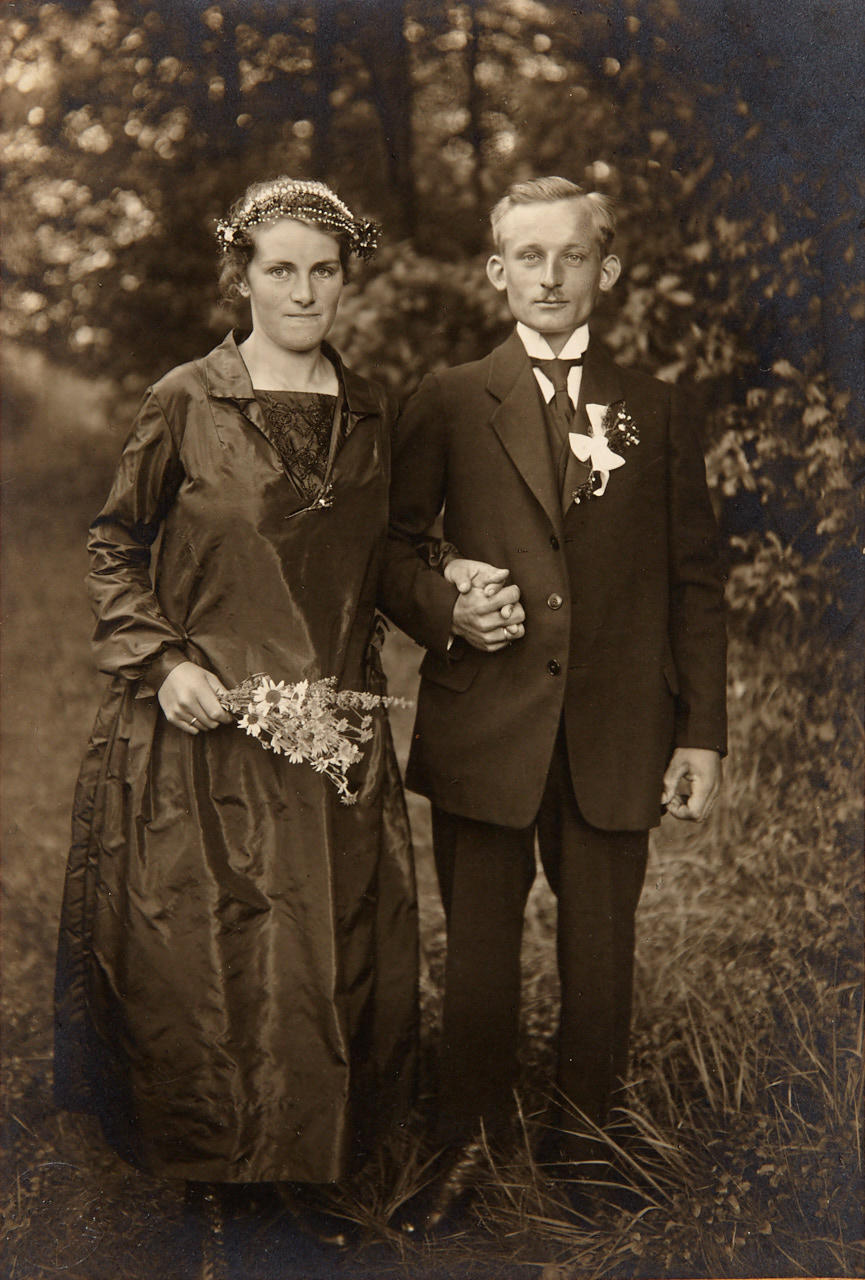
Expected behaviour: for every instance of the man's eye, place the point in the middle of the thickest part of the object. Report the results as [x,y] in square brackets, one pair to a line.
[575,258]
[530,257]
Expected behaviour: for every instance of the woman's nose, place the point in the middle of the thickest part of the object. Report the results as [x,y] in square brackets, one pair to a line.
[302,292]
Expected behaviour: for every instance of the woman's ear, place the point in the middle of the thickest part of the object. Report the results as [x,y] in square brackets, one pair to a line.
[243,288]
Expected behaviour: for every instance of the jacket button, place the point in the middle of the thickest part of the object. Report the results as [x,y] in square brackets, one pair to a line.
[554,542]
[555,601]
[554,667]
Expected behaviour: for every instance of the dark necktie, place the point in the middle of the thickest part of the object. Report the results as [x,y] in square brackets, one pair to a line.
[560,409]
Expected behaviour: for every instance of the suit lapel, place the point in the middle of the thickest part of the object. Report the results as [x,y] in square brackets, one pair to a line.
[601,382]
[518,421]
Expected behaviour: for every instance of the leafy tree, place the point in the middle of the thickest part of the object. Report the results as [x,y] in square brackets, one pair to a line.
[128,129]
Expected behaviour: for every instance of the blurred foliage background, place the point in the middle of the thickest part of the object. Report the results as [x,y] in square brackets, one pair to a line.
[729,132]
[726,131]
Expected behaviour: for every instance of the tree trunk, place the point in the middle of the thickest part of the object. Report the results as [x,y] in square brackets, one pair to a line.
[474,104]
[324,43]
[385,53]
[229,107]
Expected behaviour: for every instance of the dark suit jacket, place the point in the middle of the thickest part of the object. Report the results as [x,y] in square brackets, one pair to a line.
[623,596]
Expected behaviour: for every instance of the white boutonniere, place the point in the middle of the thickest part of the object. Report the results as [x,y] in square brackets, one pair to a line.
[613,429]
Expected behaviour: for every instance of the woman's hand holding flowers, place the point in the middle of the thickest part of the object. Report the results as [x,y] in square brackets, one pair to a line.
[189,696]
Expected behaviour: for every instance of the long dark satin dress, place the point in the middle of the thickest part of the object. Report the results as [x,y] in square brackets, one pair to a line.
[237,970]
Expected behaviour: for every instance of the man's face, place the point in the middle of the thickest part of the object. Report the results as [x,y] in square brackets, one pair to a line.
[550,266]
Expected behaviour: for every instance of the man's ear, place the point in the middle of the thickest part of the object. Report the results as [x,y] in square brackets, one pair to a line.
[496,273]
[611,269]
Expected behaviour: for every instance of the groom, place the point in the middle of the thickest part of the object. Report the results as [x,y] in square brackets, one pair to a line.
[576,701]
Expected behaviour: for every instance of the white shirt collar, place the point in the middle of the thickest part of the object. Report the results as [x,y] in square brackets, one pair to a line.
[537,347]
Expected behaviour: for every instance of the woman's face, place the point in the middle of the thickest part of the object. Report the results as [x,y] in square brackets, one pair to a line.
[295,281]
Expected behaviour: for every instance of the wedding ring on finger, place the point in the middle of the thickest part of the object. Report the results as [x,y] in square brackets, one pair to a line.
[193,721]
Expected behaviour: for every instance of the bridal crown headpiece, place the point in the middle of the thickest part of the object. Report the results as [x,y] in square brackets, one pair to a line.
[297,198]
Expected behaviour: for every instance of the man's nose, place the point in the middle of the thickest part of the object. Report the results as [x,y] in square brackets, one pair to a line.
[303,292]
[552,276]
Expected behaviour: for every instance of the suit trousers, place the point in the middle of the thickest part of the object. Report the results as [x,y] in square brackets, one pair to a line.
[485,873]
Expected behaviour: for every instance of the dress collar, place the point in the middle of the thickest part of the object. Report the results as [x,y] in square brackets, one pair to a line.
[227,377]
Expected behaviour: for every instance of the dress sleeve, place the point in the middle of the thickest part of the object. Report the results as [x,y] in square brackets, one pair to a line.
[133,637]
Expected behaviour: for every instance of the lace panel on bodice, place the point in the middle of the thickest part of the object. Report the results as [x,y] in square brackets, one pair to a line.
[299,425]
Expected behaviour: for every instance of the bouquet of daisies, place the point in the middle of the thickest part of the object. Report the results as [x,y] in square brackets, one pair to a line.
[311,722]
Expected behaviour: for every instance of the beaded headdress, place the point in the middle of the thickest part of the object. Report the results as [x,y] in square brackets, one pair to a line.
[297,198]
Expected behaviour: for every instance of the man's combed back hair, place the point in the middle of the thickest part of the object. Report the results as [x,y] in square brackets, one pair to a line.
[545,190]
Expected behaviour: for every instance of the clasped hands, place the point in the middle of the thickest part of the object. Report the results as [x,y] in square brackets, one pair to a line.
[487,613]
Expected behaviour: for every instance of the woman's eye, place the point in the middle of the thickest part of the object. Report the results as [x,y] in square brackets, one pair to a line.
[325,273]
[279,273]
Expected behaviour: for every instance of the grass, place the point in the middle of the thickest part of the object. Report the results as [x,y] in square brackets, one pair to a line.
[737,1149]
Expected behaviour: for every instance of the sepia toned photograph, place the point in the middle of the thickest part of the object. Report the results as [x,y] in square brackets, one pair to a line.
[432,633]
